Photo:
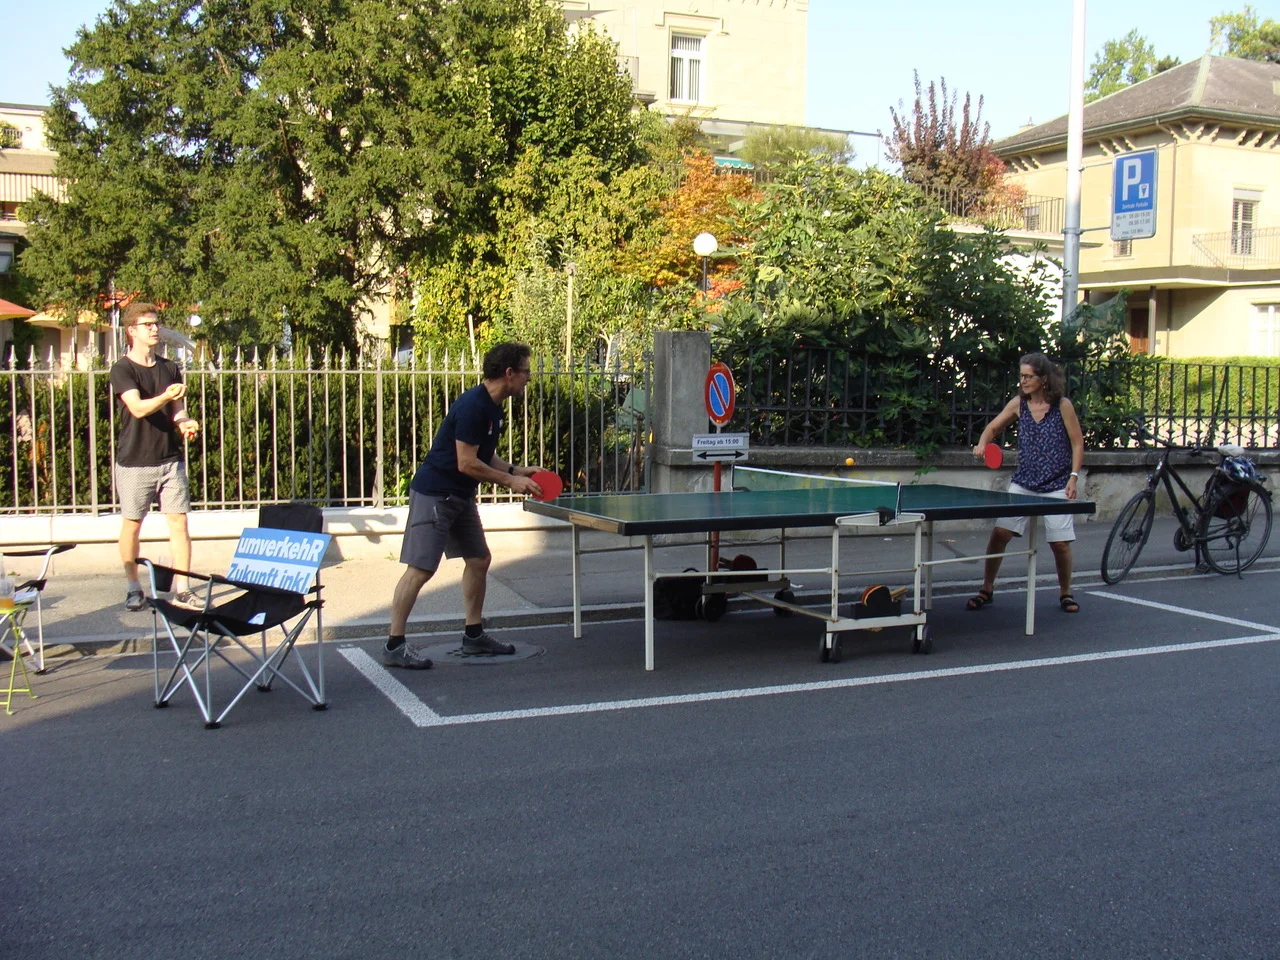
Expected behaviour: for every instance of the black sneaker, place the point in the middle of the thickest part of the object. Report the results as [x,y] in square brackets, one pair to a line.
[134,601]
[410,658]
[485,644]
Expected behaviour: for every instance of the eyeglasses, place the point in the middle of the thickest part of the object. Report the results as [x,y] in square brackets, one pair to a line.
[153,324]
[1028,376]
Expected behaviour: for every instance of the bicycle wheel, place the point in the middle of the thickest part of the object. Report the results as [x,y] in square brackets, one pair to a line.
[1235,526]
[1128,536]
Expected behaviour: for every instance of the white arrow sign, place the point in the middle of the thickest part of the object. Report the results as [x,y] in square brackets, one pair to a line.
[720,446]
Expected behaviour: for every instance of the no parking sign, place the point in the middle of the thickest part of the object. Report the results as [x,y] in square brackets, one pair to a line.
[720,393]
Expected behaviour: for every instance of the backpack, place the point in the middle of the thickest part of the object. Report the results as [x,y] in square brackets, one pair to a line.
[676,598]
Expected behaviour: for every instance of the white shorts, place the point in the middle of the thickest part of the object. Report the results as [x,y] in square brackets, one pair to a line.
[1058,527]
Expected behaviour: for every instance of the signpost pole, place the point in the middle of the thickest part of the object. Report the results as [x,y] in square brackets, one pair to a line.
[715,536]
[720,393]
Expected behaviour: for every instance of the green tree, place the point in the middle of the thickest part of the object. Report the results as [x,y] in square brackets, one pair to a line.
[859,259]
[10,136]
[768,146]
[563,155]
[273,159]
[1246,35]
[1121,63]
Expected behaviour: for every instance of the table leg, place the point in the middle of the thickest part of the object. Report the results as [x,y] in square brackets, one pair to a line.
[577,582]
[648,602]
[928,571]
[1033,531]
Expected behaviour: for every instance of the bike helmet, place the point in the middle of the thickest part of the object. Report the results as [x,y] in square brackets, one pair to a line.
[1239,469]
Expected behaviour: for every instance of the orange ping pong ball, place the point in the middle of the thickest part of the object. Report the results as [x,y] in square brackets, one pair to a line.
[848,461]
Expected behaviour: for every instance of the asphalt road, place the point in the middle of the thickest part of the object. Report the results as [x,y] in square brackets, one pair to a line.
[1107,788]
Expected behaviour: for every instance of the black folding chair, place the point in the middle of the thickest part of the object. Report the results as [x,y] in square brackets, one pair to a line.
[226,617]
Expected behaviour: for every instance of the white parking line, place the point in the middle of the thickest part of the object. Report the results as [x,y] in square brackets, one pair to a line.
[424,716]
[1185,611]
[396,692]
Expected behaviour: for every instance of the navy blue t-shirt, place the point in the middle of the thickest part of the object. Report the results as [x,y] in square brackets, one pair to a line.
[475,419]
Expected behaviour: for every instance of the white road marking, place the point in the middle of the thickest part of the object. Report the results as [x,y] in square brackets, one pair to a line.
[1185,611]
[423,716]
[404,698]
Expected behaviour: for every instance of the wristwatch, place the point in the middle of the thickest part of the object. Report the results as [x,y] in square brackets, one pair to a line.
[511,468]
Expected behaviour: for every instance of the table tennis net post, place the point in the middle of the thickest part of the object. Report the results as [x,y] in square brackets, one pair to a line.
[871,496]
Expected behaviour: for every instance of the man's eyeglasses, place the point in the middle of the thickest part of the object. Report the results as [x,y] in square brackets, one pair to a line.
[153,324]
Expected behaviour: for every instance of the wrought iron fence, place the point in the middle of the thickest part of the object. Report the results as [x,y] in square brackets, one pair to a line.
[343,432]
[824,396]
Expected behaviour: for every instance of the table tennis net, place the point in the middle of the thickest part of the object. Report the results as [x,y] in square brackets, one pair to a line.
[863,494]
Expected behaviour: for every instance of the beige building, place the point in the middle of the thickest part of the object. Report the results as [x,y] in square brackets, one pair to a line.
[1208,282]
[26,167]
[732,64]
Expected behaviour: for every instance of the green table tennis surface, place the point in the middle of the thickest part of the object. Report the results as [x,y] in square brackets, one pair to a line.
[630,514]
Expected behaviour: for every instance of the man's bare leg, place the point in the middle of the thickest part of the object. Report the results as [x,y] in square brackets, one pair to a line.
[475,581]
[180,546]
[406,594]
[130,533]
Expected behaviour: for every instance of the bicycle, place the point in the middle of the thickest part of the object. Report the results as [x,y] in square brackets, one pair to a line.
[1228,525]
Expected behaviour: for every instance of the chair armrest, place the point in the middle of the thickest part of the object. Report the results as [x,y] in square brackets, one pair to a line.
[175,571]
[261,588]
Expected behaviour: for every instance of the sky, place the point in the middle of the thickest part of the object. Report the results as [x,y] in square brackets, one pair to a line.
[861,53]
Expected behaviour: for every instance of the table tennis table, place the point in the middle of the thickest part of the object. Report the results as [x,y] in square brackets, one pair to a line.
[762,499]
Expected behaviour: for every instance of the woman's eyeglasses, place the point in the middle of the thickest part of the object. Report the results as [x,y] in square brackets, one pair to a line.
[1024,377]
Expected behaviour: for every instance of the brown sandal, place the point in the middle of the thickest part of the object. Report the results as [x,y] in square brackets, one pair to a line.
[1068,603]
[980,600]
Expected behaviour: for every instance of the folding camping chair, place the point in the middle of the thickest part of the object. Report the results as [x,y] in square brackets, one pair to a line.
[226,617]
[27,599]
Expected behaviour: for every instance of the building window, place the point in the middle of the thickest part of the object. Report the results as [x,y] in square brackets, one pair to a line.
[686,68]
[1122,248]
[1266,330]
[1244,211]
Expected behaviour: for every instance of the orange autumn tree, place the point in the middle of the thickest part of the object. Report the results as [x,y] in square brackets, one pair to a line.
[703,201]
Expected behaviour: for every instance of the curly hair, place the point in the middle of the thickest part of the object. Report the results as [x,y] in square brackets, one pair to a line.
[1055,386]
[503,356]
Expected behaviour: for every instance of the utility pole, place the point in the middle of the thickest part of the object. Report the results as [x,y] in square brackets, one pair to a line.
[1075,162]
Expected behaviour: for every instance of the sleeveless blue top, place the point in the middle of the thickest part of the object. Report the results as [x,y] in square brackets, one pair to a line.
[1044,451]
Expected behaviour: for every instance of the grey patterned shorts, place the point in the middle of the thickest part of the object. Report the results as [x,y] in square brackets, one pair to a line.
[448,526]
[140,487]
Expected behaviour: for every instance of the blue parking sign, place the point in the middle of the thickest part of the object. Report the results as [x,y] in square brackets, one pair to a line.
[1133,196]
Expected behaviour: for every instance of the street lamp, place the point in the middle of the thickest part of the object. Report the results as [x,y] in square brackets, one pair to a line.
[704,245]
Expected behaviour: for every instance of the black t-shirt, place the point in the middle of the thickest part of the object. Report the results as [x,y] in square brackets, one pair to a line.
[151,440]
[475,419]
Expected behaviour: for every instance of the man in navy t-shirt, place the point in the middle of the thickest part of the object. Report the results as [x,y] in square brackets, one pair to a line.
[443,519]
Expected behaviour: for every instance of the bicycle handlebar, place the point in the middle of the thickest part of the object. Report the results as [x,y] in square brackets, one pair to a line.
[1143,435]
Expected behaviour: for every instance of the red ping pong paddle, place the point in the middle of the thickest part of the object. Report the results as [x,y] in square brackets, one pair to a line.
[550,483]
[993,456]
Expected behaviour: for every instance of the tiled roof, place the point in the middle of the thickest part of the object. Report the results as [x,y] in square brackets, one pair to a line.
[1211,87]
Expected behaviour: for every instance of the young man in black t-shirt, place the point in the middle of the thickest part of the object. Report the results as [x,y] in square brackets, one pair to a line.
[149,463]
[443,519]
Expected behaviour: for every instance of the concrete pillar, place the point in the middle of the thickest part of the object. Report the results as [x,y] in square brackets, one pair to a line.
[681,359]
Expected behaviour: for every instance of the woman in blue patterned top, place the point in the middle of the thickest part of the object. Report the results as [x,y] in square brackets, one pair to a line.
[1050,454]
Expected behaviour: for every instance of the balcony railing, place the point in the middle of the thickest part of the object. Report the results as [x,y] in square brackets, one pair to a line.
[1031,214]
[1245,249]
